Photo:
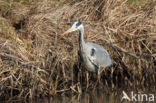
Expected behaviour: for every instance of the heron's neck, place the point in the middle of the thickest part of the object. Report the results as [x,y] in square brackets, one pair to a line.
[81,38]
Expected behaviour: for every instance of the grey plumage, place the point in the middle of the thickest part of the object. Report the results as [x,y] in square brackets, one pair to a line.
[93,56]
[101,57]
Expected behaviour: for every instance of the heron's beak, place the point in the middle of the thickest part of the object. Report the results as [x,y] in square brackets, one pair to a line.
[67,32]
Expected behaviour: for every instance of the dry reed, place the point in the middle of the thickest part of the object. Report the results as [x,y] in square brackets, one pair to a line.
[36,61]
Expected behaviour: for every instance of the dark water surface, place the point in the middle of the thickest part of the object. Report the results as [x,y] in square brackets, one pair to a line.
[98,96]
[104,97]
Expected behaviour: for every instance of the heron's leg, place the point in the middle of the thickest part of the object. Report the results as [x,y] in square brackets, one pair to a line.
[99,76]
[87,78]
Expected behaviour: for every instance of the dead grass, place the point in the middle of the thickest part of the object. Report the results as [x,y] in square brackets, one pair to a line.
[36,61]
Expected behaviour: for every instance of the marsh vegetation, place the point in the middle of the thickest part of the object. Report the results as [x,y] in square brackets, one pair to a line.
[35,61]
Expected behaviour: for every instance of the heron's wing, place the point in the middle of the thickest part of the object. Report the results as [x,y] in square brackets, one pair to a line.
[97,55]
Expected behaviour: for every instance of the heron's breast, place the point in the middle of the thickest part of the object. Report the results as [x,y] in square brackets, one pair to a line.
[88,65]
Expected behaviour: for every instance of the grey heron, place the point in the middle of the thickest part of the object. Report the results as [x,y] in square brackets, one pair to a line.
[94,57]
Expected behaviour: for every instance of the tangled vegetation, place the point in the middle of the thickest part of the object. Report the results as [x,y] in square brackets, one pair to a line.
[36,61]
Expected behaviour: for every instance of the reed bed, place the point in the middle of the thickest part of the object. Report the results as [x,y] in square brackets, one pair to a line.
[35,61]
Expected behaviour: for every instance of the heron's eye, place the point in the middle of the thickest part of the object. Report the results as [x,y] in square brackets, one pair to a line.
[78,24]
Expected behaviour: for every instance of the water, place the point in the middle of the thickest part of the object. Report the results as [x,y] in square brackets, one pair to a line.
[87,97]
[95,96]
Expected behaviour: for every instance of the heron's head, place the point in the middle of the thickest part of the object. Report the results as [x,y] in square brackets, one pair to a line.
[76,26]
